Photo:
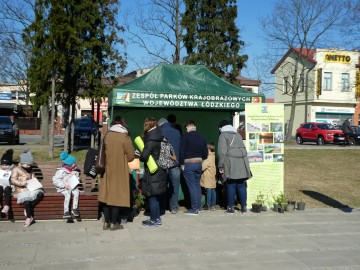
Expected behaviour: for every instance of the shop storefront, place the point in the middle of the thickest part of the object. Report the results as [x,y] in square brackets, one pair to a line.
[333,115]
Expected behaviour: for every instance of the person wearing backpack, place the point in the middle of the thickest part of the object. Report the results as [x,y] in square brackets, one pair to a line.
[174,137]
[153,184]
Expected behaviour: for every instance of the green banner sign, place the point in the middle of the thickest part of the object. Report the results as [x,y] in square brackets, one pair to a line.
[189,101]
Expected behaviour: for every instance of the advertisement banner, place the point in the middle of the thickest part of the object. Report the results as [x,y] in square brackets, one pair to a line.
[179,100]
[265,146]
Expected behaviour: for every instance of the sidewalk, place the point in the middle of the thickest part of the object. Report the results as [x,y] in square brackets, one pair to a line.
[324,238]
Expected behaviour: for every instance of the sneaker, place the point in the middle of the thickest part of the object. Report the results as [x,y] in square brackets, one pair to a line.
[158,222]
[243,210]
[230,210]
[67,215]
[28,222]
[174,211]
[206,208]
[106,226]
[191,212]
[75,212]
[213,208]
[150,223]
[5,210]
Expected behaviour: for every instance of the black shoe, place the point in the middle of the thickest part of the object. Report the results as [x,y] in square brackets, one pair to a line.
[230,210]
[206,207]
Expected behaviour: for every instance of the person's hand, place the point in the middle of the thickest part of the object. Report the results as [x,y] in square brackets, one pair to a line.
[182,167]
[221,170]
[66,186]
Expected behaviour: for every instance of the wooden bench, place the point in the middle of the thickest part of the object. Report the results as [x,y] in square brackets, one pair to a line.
[52,205]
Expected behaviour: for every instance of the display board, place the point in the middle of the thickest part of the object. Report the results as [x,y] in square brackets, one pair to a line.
[265,146]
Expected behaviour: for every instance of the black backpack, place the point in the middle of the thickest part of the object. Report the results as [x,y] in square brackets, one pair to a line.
[89,164]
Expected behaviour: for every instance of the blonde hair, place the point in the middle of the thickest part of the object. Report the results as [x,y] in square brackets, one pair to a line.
[211,146]
[149,123]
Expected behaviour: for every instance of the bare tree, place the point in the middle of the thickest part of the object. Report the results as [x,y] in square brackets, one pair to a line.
[304,25]
[14,17]
[158,31]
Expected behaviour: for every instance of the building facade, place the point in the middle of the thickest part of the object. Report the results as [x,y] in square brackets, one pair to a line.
[326,82]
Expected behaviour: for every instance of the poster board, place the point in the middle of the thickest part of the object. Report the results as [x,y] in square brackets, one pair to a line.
[265,145]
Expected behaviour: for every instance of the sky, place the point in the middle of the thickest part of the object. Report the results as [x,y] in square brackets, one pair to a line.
[249,12]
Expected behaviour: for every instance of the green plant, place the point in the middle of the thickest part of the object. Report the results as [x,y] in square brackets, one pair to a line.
[139,200]
[260,198]
[280,199]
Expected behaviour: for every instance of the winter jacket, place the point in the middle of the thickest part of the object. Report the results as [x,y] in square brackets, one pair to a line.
[208,177]
[173,136]
[346,128]
[153,183]
[114,187]
[193,145]
[19,179]
[61,177]
[232,154]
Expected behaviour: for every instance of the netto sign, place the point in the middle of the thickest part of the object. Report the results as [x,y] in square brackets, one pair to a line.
[337,58]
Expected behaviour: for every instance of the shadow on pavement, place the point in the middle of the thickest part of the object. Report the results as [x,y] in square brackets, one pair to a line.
[327,200]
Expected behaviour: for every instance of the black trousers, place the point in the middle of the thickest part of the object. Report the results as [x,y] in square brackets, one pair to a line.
[111,213]
[30,205]
[7,192]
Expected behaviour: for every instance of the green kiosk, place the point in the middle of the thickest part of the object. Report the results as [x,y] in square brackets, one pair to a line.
[187,91]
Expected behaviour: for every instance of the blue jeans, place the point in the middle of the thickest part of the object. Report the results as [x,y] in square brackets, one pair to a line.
[211,197]
[192,173]
[174,175]
[154,206]
[236,187]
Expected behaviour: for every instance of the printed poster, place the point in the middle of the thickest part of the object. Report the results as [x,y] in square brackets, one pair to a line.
[265,146]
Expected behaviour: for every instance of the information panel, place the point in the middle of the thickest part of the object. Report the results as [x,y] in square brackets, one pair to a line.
[265,146]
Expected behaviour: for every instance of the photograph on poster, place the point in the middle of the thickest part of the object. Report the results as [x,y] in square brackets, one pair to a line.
[276,127]
[253,136]
[256,157]
[265,128]
[253,145]
[253,127]
[266,138]
[278,158]
[272,148]
[268,157]
[260,147]
[278,137]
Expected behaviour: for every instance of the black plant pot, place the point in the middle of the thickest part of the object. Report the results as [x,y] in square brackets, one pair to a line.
[256,208]
[290,207]
[264,208]
[301,206]
[281,209]
[276,207]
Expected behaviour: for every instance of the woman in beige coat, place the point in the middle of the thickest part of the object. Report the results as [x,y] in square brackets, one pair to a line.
[114,189]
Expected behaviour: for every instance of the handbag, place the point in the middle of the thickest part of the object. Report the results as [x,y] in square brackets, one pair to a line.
[101,158]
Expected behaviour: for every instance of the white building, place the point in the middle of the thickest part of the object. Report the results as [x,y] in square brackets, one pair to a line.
[328,83]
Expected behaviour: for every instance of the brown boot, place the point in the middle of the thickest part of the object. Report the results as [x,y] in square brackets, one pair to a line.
[116,226]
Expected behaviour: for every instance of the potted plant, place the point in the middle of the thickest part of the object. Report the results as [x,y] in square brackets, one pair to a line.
[301,203]
[280,201]
[257,206]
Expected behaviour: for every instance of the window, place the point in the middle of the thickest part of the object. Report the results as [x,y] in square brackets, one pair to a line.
[327,81]
[345,86]
[302,83]
[286,85]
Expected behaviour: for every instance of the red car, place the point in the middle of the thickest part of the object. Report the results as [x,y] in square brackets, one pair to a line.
[320,133]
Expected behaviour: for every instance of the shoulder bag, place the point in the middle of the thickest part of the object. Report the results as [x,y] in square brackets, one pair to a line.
[101,158]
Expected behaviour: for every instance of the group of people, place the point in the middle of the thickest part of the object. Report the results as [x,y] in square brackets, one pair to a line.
[195,162]
[16,179]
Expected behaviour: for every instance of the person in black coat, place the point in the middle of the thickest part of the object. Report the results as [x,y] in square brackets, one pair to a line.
[153,184]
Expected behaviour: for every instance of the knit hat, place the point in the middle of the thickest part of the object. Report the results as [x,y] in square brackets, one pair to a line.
[6,159]
[162,121]
[26,157]
[67,159]
[224,123]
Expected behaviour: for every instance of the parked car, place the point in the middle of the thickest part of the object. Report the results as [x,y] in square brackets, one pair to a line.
[83,129]
[354,138]
[320,133]
[8,131]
